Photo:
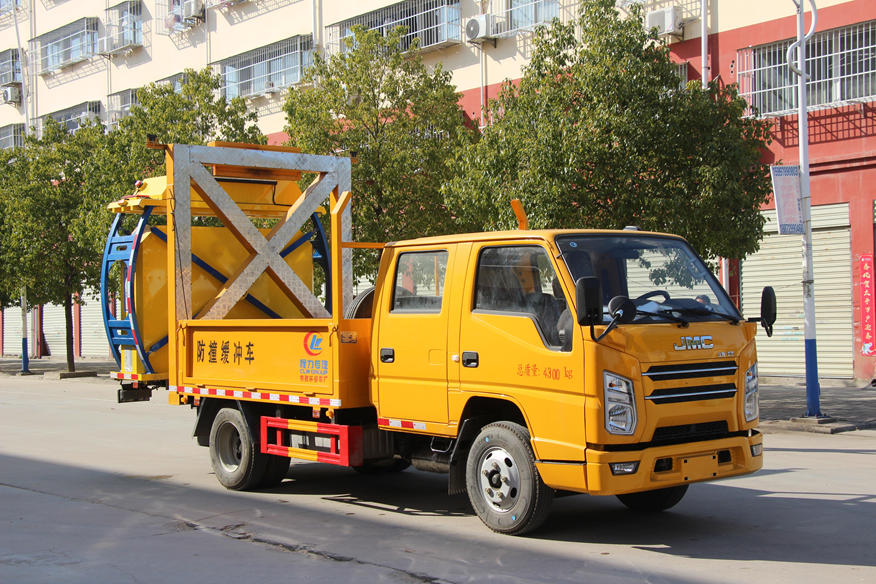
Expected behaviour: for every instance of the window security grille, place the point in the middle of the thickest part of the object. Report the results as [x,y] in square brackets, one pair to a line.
[124,29]
[511,17]
[841,63]
[174,80]
[681,71]
[6,7]
[436,23]
[174,16]
[690,9]
[10,67]
[11,136]
[66,46]
[267,69]
[72,117]
[118,106]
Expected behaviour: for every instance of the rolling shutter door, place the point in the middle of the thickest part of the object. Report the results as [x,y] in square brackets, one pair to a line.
[779,264]
[94,343]
[54,330]
[12,331]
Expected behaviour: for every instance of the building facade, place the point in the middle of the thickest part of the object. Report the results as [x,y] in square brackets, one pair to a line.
[77,59]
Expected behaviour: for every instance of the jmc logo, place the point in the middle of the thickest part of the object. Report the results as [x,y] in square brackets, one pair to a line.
[691,343]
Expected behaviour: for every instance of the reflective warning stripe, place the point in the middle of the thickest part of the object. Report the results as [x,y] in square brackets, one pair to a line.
[132,376]
[260,395]
[401,424]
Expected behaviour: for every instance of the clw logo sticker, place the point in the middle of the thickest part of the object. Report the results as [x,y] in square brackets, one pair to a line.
[313,344]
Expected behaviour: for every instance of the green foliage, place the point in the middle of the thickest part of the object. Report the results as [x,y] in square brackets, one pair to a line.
[195,115]
[599,135]
[400,120]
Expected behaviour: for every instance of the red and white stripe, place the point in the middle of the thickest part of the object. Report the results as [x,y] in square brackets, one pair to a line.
[260,395]
[132,376]
[401,424]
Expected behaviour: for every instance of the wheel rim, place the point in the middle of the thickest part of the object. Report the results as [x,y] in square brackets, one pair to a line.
[229,447]
[499,479]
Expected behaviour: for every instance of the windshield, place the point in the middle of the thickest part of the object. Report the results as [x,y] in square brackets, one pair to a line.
[662,275]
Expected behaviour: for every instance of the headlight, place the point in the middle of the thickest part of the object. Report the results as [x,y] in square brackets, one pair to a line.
[752,408]
[620,404]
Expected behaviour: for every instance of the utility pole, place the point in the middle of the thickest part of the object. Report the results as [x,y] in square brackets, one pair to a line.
[813,390]
[22,60]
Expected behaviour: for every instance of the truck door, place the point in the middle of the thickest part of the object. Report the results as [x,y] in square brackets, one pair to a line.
[516,336]
[412,338]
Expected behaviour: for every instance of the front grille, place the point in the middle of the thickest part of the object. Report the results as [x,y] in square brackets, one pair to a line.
[689,432]
[690,370]
[674,395]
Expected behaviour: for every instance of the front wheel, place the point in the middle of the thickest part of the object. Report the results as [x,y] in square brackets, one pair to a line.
[654,501]
[236,459]
[503,485]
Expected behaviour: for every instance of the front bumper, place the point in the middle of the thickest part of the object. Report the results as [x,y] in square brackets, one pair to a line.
[691,463]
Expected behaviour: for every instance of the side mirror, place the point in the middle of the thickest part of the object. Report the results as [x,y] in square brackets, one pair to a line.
[588,296]
[768,310]
[622,309]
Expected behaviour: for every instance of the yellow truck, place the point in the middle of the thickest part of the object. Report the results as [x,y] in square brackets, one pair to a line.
[519,363]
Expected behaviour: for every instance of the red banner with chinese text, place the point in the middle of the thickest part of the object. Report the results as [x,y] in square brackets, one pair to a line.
[868,313]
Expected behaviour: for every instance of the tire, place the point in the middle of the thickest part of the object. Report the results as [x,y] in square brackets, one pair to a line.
[503,485]
[390,465]
[654,501]
[276,469]
[236,460]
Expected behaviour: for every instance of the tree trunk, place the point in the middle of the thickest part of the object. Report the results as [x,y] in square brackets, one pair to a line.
[68,321]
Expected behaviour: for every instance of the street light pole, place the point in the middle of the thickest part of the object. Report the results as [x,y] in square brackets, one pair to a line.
[813,391]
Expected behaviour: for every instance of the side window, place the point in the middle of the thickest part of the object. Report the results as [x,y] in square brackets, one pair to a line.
[419,282]
[521,280]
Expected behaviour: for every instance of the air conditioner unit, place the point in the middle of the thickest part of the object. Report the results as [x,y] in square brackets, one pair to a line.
[193,10]
[105,45]
[11,95]
[668,21]
[269,87]
[479,28]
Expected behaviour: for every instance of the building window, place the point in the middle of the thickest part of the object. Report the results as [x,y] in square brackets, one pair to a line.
[124,29]
[6,7]
[174,16]
[176,81]
[72,117]
[841,63]
[10,67]
[436,23]
[12,136]
[265,70]
[66,46]
[118,106]
[511,17]
[681,71]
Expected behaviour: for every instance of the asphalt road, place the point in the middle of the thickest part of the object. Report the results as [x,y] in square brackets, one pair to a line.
[94,491]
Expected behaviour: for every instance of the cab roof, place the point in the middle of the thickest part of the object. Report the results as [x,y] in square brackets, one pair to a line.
[518,234]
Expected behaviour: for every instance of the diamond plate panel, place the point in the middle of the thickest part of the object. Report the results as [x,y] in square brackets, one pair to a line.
[182,230]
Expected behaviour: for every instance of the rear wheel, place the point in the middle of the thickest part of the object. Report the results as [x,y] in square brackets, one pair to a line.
[503,485]
[236,459]
[276,469]
[654,501]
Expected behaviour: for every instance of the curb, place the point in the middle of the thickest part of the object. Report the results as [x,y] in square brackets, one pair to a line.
[801,425]
[68,374]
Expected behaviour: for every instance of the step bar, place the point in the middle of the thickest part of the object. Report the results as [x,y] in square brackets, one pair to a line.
[315,441]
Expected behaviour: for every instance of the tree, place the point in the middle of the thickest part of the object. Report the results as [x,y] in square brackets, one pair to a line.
[380,104]
[598,134]
[55,210]
[197,113]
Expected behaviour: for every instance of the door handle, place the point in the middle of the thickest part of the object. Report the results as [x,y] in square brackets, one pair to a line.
[469,359]
[387,355]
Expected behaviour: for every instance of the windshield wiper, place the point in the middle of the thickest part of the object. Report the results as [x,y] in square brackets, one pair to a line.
[663,314]
[706,312]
